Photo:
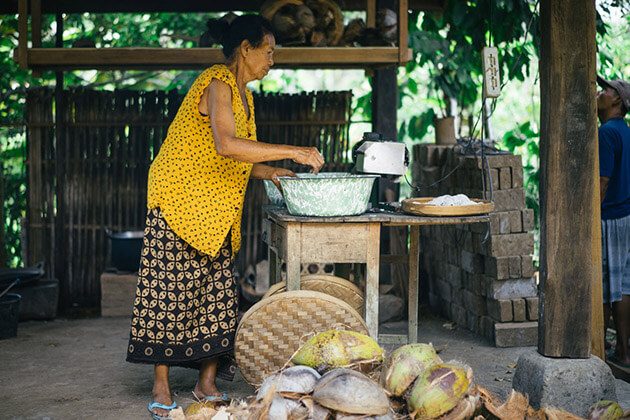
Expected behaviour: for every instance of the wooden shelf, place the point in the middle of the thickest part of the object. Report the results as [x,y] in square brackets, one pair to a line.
[195,58]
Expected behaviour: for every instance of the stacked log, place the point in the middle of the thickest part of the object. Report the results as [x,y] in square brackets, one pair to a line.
[319,23]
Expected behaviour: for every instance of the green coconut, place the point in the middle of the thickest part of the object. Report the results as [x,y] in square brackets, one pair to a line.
[605,410]
[438,390]
[405,364]
[335,348]
[349,391]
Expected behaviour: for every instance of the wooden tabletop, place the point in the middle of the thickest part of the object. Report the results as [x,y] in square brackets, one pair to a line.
[281,215]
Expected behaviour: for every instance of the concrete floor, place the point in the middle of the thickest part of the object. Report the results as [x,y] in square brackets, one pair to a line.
[75,369]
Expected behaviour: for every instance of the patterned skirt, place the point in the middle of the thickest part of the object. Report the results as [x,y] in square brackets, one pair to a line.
[185,309]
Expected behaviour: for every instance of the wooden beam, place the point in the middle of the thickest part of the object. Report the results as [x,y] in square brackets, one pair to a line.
[177,58]
[568,166]
[23,33]
[181,6]
[403,30]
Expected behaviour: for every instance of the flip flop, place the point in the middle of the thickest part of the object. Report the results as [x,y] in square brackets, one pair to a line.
[154,404]
[214,398]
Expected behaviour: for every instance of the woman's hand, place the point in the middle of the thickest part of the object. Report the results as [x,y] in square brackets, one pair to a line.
[309,156]
[277,172]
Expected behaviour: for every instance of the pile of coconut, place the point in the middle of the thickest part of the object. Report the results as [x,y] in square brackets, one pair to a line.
[344,375]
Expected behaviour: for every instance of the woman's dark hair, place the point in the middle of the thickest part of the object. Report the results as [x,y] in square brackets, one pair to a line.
[230,33]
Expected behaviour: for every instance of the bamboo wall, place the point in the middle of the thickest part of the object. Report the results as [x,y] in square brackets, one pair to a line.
[88,166]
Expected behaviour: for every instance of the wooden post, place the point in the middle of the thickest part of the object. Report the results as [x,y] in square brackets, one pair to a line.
[23,33]
[568,164]
[414,282]
[294,255]
[371,14]
[36,23]
[403,30]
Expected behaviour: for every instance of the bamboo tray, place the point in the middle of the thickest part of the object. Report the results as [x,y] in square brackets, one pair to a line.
[418,206]
[331,285]
[274,329]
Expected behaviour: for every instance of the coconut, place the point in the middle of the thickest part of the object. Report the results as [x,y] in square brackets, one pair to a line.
[335,348]
[405,364]
[350,392]
[298,379]
[200,410]
[438,390]
[605,410]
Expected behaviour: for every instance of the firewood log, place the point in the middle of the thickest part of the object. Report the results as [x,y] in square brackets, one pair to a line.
[328,21]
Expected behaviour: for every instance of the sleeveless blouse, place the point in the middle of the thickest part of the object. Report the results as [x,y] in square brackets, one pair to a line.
[199,192]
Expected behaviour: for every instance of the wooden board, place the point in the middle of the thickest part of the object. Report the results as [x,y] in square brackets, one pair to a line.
[419,206]
[197,58]
[282,217]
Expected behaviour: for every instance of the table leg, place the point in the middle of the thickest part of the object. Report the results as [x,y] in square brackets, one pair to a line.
[371,284]
[293,257]
[274,265]
[414,282]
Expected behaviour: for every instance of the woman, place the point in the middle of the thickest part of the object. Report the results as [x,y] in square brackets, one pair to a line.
[186,301]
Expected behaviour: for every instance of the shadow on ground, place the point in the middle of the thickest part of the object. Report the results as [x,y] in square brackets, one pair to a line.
[76,369]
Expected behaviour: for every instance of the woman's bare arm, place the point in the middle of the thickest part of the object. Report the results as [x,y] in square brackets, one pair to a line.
[228,145]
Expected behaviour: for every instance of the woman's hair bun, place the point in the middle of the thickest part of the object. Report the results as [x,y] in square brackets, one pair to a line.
[231,30]
[216,32]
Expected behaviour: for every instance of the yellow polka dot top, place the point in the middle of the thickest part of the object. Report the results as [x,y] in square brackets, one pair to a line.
[201,193]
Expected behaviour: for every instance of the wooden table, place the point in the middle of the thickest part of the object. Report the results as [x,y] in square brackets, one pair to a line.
[348,239]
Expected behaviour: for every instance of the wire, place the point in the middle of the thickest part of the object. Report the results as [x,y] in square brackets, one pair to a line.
[418,187]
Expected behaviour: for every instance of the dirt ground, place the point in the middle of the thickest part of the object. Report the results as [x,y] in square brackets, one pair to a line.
[75,369]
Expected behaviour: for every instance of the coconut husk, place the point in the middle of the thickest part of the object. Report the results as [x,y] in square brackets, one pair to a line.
[405,364]
[345,416]
[438,390]
[316,411]
[296,379]
[465,409]
[200,410]
[338,348]
[516,405]
[351,392]
[604,410]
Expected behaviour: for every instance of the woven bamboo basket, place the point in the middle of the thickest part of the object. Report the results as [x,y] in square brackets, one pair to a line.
[274,329]
[331,285]
[419,206]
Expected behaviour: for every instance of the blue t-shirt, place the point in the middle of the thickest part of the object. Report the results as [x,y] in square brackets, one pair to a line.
[614,163]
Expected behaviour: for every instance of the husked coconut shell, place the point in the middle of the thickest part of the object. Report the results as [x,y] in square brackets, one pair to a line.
[405,364]
[299,379]
[438,390]
[344,416]
[319,413]
[286,409]
[335,348]
[350,392]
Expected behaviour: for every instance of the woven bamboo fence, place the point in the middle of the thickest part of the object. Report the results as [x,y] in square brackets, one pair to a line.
[88,166]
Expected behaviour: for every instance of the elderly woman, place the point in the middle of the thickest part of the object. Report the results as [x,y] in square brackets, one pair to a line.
[185,308]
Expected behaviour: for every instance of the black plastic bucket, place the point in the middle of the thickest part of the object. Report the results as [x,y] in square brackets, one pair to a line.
[9,315]
[125,249]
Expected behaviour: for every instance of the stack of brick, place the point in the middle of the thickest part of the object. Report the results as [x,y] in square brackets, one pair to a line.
[480,275]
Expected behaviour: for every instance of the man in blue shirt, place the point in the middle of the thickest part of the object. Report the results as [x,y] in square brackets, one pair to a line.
[613,102]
